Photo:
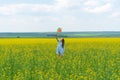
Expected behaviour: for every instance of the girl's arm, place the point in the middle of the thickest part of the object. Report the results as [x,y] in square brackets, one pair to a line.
[57,38]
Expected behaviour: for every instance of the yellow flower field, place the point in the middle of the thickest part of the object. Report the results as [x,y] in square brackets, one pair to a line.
[36,59]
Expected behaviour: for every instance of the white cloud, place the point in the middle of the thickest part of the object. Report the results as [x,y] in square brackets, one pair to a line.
[92,6]
[108,1]
[65,16]
[65,4]
[91,3]
[115,14]
[59,4]
[40,7]
[27,23]
[10,9]
[99,9]
[7,10]
[16,8]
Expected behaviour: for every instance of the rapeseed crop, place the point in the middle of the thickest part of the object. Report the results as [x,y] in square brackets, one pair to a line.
[36,59]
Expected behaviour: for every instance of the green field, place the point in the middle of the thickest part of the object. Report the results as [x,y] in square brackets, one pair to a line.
[36,59]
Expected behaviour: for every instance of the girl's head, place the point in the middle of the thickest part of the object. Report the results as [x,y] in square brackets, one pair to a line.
[63,41]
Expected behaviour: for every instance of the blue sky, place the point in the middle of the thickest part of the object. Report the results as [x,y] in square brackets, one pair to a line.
[48,15]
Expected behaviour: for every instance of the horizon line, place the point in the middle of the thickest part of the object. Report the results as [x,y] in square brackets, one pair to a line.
[56,32]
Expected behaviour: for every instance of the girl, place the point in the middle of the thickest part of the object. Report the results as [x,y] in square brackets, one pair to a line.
[60,47]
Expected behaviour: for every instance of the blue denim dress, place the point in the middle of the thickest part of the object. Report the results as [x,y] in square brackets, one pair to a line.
[60,49]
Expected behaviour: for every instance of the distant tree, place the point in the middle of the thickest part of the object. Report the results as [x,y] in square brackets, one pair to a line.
[18,36]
